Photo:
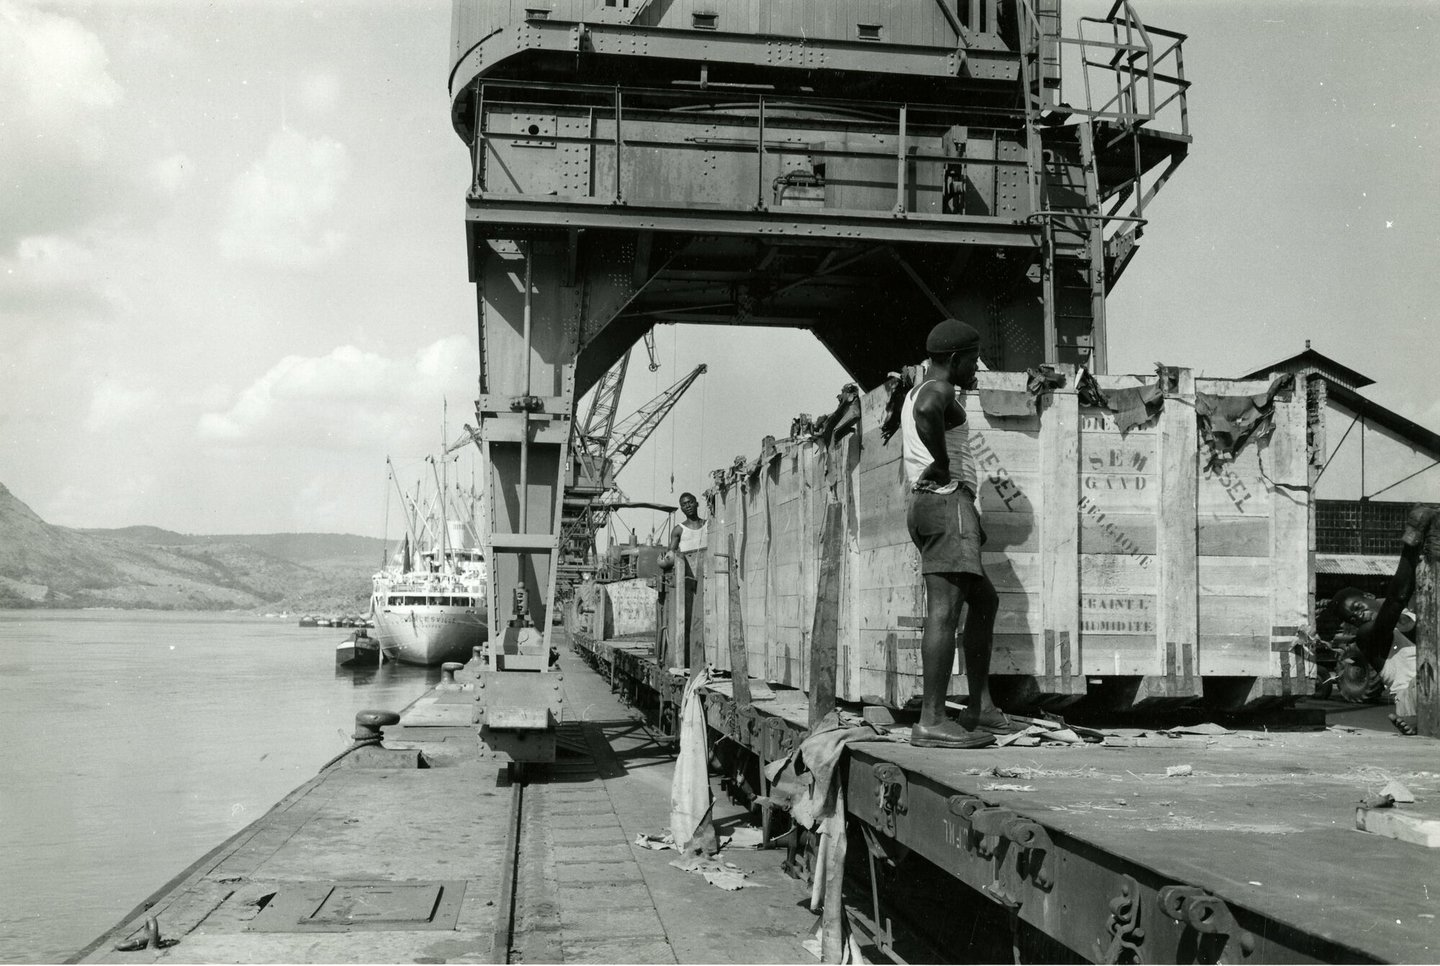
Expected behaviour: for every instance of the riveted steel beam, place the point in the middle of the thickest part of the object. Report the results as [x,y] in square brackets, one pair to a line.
[1000,67]
[501,215]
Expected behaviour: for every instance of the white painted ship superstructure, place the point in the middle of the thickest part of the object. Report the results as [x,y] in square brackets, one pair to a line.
[433,613]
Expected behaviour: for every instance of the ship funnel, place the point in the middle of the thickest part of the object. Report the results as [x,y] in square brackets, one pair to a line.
[462,535]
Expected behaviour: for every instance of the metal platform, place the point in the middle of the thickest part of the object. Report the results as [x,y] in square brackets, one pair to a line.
[1250,857]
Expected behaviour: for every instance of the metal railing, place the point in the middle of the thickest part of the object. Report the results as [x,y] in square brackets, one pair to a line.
[613,112]
[1145,81]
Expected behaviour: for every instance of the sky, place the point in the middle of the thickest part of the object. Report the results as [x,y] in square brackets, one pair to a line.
[232,266]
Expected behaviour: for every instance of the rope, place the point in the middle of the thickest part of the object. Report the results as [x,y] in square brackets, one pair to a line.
[359,743]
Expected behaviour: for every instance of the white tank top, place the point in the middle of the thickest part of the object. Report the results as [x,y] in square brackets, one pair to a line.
[917,455]
[695,539]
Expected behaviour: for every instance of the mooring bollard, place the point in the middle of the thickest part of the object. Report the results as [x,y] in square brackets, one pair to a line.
[368,725]
[448,683]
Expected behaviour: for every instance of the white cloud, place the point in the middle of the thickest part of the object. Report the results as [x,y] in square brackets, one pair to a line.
[172,173]
[55,278]
[114,404]
[348,399]
[278,209]
[55,92]
[319,93]
[57,66]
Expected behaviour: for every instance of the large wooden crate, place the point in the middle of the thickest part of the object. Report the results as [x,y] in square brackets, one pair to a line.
[1127,570]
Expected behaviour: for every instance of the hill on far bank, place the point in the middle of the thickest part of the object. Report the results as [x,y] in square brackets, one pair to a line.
[306,549]
[43,565]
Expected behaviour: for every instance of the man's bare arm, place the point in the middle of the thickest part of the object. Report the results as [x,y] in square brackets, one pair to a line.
[1419,530]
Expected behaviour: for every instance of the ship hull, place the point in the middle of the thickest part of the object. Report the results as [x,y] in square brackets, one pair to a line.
[428,635]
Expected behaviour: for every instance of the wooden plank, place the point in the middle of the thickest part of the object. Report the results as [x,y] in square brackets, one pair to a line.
[1232,655]
[1110,531]
[882,515]
[769,617]
[1176,611]
[1015,532]
[1284,458]
[756,573]
[1233,577]
[808,466]
[848,652]
[1013,573]
[1395,824]
[824,638]
[1059,633]
[1119,573]
[1234,537]
[1427,648]
[739,666]
[1237,617]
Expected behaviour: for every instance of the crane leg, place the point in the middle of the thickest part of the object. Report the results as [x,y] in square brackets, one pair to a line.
[529,342]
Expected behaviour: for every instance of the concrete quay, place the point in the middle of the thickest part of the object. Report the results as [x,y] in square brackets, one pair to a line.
[378,860]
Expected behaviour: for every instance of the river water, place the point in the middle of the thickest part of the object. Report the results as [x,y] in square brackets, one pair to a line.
[133,742]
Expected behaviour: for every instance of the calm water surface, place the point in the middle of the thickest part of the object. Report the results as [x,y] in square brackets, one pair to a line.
[131,743]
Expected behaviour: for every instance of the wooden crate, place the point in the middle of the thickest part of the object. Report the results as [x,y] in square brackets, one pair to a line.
[1126,569]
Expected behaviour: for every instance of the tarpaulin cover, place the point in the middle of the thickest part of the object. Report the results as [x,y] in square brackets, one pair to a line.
[1226,422]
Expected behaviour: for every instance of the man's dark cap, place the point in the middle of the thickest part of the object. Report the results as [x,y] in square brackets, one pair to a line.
[952,335]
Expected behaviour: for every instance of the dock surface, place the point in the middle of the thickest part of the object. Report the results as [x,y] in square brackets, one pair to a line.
[374,862]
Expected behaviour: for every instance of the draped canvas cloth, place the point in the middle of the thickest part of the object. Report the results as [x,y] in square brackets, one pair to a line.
[690,800]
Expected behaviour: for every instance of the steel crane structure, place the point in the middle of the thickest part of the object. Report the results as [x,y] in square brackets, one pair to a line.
[856,168]
[587,504]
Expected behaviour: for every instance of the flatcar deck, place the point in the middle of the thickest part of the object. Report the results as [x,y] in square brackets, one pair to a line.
[1248,854]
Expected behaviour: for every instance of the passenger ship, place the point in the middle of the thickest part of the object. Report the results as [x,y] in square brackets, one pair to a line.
[433,610]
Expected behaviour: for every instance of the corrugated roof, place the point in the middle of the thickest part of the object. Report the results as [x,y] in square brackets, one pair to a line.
[1355,564]
[1322,363]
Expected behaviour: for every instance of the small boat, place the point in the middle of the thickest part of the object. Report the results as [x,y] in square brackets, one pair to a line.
[358,650]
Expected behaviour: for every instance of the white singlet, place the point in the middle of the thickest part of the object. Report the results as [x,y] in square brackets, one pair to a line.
[917,456]
[695,539]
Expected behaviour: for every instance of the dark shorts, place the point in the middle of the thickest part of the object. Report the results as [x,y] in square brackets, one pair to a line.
[946,529]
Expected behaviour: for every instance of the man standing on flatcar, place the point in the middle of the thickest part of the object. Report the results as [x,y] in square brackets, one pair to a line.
[945,525]
[688,540]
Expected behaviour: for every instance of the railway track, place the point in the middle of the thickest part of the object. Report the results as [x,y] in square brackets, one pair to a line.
[571,889]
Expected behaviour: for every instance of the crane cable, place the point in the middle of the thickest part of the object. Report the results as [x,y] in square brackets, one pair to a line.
[673,368]
[700,456]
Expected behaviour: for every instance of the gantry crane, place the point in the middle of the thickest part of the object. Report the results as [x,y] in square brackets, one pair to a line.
[587,507]
[593,434]
[857,170]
